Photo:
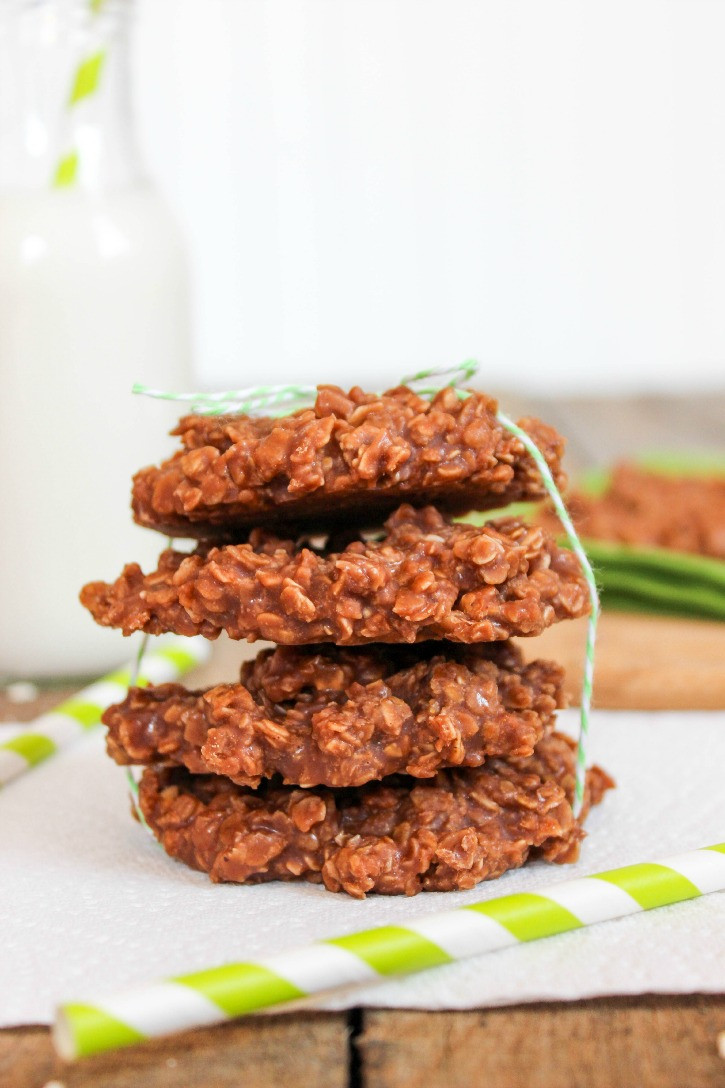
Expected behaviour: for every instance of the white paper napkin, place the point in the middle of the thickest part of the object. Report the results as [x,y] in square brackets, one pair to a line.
[90,904]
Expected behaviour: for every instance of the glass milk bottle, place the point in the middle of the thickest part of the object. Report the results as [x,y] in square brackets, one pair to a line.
[93,296]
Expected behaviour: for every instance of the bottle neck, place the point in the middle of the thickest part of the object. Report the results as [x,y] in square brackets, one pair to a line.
[65,102]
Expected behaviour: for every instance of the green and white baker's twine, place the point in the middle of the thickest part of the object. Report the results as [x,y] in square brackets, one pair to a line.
[215,994]
[85,83]
[236,401]
[171,657]
[131,778]
[457,374]
[576,546]
[265,397]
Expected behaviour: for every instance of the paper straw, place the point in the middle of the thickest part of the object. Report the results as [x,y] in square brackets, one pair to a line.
[84,84]
[48,734]
[221,993]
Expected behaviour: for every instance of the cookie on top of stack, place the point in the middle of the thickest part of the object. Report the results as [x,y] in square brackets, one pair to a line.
[394,740]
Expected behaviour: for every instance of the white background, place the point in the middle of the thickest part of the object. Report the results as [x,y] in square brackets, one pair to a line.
[369,186]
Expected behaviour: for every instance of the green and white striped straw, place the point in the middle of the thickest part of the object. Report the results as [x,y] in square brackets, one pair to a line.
[84,84]
[170,659]
[235,989]
[263,397]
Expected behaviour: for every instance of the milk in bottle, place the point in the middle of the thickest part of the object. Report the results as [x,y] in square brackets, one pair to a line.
[93,296]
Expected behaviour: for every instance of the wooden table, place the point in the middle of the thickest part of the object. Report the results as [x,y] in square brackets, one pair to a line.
[641,1042]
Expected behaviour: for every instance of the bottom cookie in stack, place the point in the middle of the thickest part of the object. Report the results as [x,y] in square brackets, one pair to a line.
[395,837]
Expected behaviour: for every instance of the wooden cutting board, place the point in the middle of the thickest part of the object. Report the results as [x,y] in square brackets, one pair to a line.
[642,662]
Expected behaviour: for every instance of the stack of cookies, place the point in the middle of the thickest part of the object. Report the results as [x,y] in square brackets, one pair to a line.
[393,740]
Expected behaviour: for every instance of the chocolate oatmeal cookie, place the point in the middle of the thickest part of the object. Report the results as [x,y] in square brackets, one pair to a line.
[396,837]
[333,717]
[426,578]
[353,457]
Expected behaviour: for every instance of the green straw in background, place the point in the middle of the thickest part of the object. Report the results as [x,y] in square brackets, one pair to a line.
[170,658]
[221,993]
[85,83]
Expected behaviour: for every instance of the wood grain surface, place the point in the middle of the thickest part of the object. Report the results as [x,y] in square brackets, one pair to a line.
[647,1042]
[641,1042]
[263,1052]
[642,662]
[625,1042]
